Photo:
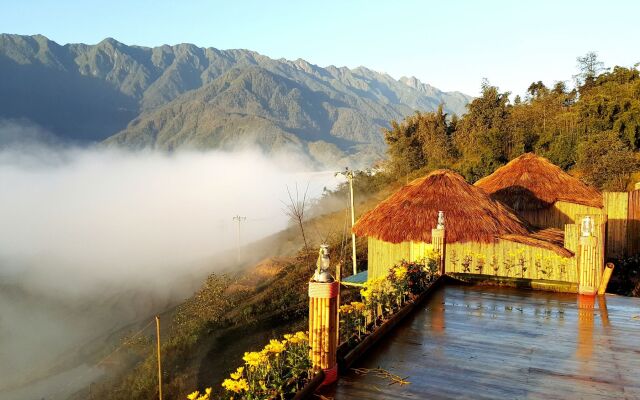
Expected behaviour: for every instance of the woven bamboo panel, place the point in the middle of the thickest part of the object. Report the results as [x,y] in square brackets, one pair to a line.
[600,225]
[617,208]
[383,255]
[506,259]
[633,223]
[588,265]
[571,235]
[419,250]
[559,214]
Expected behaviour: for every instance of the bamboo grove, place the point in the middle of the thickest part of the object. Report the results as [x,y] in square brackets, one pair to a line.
[592,130]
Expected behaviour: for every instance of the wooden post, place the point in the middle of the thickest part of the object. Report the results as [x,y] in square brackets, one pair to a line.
[159,362]
[588,263]
[323,316]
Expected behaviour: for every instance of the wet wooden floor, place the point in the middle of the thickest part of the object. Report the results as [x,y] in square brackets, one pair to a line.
[497,343]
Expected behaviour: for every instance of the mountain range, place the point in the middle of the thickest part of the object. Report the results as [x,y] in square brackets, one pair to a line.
[184,96]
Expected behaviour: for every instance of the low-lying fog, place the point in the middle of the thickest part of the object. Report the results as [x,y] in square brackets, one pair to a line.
[94,239]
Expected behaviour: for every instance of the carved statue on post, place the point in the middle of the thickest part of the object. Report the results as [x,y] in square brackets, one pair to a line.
[322,266]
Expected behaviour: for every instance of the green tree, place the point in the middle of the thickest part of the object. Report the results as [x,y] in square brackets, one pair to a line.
[589,66]
[606,161]
[421,141]
[483,139]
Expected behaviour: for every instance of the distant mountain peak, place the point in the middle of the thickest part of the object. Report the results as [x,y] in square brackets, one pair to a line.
[182,95]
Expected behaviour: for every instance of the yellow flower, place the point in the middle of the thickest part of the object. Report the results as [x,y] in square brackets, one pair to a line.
[358,306]
[253,359]
[235,386]
[288,336]
[193,395]
[400,272]
[346,309]
[208,390]
[294,340]
[228,384]
[274,347]
[243,385]
[238,374]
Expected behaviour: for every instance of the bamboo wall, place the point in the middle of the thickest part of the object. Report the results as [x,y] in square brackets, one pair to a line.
[506,258]
[616,205]
[571,235]
[559,214]
[384,255]
[633,223]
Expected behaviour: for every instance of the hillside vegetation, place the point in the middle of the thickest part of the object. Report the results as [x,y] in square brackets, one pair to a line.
[237,310]
[592,131]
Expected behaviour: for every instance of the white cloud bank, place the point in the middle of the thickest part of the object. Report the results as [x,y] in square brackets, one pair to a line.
[80,225]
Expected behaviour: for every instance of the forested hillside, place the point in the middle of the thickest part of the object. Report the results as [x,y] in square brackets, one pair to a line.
[592,130]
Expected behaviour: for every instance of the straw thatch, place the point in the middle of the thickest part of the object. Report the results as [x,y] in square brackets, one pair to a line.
[531,182]
[546,239]
[410,214]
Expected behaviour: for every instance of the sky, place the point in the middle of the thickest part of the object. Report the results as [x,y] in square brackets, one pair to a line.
[452,45]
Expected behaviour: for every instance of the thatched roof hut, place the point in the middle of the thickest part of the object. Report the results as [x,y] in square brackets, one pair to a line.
[482,234]
[531,182]
[411,213]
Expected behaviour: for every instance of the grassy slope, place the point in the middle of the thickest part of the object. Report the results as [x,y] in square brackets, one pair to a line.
[269,299]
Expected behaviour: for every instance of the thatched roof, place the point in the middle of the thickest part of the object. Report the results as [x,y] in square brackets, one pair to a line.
[531,182]
[550,239]
[410,214]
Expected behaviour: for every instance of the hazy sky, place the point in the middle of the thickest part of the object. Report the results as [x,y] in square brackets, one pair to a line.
[450,44]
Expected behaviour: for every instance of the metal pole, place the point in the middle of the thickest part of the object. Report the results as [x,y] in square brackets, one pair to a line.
[353,222]
[159,362]
[238,219]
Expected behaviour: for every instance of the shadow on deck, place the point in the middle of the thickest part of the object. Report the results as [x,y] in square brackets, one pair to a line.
[502,343]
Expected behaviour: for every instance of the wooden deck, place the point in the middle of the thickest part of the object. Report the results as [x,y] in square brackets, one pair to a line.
[501,343]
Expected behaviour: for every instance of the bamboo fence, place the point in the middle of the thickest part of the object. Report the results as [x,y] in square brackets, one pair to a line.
[504,259]
[510,259]
[616,206]
[559,214]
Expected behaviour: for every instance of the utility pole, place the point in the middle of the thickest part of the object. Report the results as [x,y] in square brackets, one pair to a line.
[159,362]
[349,175]
[239,220]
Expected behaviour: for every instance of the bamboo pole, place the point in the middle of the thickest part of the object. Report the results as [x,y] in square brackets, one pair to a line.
[587,266]
[323,327]
[438,243]
[338,279]
[606,275]
[326,329]
[318,331]
[159,362]
[311,334]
